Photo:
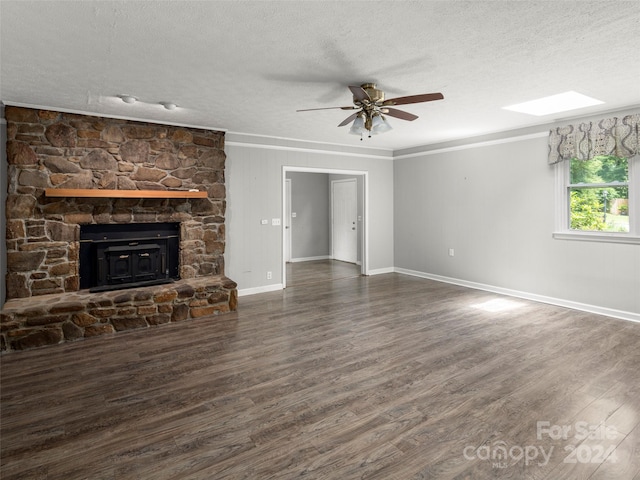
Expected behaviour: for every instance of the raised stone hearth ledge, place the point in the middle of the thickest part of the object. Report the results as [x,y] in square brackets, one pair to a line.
[52,319]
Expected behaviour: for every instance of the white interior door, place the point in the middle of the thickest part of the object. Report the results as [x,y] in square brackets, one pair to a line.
[344,225]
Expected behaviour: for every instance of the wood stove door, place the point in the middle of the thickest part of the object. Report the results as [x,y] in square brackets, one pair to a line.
[118,263]
[147,264]
[131,264]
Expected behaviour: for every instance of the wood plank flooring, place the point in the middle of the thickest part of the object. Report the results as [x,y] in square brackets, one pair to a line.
[386,377]
[320,271]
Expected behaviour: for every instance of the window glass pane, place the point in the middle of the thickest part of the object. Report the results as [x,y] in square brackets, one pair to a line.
[599,209]
[603,169]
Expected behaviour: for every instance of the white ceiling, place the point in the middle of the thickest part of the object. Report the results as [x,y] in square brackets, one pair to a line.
[247,66]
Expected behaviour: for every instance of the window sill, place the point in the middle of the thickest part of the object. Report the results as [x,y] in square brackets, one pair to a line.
[598,237]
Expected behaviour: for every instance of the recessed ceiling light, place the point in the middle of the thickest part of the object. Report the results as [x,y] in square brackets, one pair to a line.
[561,102]
[168,105]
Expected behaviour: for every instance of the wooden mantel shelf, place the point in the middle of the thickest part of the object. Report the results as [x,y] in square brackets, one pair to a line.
[102,193]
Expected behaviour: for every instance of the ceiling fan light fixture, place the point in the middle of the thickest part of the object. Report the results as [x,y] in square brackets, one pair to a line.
[379,125]
[372,106]
[357,127]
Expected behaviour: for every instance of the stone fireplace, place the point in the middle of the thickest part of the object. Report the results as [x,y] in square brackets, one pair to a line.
[69,175]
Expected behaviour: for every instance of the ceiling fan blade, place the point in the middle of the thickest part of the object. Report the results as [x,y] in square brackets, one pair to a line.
[394,112]
[426,97]
[359,93]
[327,108]
[349,119]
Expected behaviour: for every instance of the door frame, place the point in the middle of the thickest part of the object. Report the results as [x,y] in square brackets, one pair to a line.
[286,218]
[364,266]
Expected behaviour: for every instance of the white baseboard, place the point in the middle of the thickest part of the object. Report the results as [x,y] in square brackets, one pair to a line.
[310,259]
[609,312]
[380,271]
[266,288]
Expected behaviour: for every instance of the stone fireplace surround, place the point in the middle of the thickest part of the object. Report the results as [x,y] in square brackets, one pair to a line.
[54,150]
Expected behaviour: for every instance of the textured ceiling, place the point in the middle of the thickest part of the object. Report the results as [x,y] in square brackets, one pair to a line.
[247,66]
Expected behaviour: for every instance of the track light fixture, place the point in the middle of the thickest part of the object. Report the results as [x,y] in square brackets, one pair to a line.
[128,98]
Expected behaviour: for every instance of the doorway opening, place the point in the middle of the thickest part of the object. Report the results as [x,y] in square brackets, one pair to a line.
[325,231]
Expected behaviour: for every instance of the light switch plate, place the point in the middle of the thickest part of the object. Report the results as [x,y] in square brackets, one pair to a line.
[275,222]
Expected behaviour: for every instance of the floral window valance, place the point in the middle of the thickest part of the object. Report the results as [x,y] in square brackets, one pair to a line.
[610,136]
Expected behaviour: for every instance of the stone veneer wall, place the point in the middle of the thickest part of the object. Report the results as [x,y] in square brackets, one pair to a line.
[47,149]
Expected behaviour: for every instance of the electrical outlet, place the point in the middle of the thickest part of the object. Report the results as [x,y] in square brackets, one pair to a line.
[264,221]
[269,275]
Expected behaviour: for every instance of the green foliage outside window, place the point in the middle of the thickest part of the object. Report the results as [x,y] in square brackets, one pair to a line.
[586,212]
[593,191]
[602,169]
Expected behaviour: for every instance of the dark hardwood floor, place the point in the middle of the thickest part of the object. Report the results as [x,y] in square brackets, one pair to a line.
[319,271]
[386,377]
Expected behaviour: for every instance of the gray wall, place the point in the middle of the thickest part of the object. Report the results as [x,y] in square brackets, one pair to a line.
[311,228]
[254,192]
[494,204]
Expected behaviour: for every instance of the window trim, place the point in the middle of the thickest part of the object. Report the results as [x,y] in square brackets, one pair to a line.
[562,230]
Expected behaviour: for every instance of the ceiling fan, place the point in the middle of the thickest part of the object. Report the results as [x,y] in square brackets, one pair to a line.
[372,106]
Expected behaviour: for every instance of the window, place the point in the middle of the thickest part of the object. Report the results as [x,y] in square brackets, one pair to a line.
[599,194]
[597,179]
[598,199]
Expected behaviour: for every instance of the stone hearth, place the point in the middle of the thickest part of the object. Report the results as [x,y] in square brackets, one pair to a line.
[56,318]
[49,150]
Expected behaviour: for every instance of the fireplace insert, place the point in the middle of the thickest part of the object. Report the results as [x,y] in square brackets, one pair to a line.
[115,256]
